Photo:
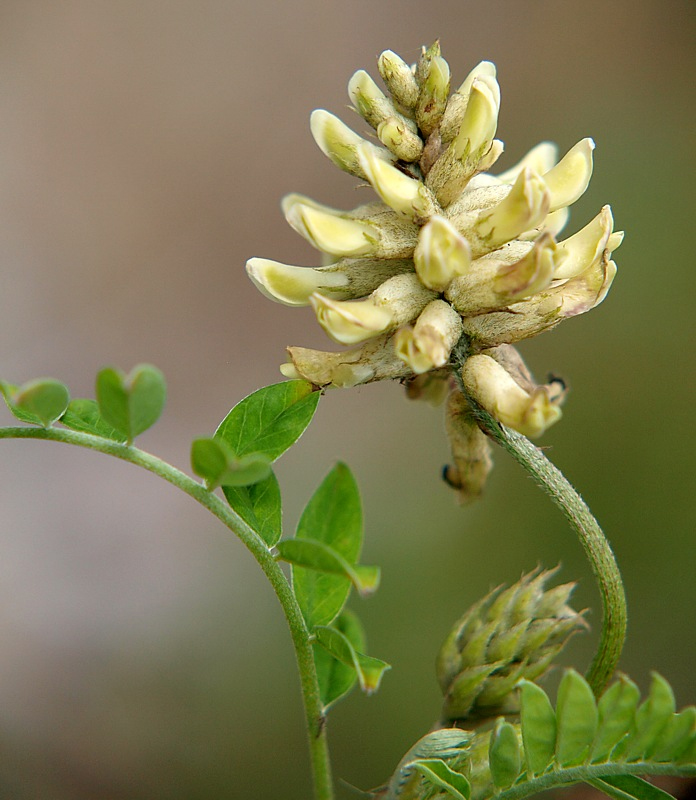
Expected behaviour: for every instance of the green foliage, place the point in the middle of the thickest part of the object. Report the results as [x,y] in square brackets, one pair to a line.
[538,727]
[448,746]
[629,787]
[213,460]
[259,505]
[336,679]
[323,558]
[607,744]
[83,415]
[270,420]
[504,754]
[576,719]
[440,775]
[368,669]
[131,403]
[39,402]
[332,517]
[267,422]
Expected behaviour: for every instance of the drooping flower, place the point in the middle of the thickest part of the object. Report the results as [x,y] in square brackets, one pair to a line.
[451,265]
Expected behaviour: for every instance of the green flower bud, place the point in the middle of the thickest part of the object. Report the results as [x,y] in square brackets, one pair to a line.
[512,633]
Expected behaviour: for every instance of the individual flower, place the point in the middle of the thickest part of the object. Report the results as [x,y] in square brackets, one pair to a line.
[450,265]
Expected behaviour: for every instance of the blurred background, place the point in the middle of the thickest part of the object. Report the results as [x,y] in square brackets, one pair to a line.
[144,148]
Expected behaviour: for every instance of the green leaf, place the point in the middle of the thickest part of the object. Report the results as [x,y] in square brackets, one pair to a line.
[259,505]
[369,669]
[576,719]
[208,458]
[651,718]
[676,736]
[335,678]
[212,460]
[321,557]
[131,403]
[538,723]
[270,420]
[40,402]
[629,787]
[440,775]
[83,415]
[504,755]
[617,709]
[333,517]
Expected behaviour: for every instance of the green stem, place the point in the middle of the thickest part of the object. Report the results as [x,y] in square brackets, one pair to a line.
[588,773]
[314,711]
[593,540]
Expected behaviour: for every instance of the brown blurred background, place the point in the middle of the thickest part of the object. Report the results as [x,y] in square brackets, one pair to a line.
[144,147]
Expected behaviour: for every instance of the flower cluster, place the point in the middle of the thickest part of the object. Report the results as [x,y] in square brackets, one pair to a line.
[513,634]
[434,282]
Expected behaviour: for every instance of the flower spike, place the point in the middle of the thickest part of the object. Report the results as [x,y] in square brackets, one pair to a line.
[450,265]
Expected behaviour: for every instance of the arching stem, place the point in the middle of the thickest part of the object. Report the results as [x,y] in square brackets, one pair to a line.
[591,536]
[314,711]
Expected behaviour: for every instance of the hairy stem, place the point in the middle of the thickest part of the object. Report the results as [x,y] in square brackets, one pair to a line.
[314,712]
[593,540]
[590,772]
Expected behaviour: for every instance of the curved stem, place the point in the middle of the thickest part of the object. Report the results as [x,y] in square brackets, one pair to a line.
[593,540]
[314,711]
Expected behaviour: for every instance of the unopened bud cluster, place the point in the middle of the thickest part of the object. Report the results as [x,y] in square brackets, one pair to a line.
[449,253]
[514,633]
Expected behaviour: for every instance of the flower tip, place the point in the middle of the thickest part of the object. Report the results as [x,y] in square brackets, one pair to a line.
[568,180]
[293,286]
[331,233]
[615,241]
[350,322]
[400,192]
[480,120]
[289,371]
